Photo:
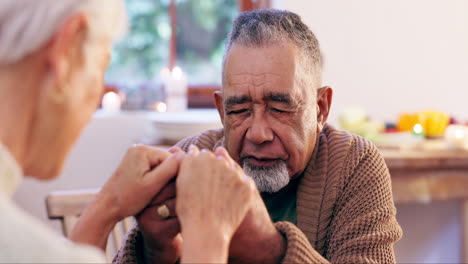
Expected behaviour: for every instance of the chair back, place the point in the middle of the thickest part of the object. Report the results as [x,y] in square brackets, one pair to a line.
[67,206]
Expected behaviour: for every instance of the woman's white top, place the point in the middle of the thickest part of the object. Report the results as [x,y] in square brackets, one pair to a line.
[24,239]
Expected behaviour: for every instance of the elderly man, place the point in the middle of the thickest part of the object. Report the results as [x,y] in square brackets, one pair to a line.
[325,195]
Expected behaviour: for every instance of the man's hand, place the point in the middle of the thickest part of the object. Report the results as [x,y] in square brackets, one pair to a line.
[257,240]
[162,239]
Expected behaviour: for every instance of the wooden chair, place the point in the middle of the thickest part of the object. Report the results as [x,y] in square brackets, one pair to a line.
[67,207]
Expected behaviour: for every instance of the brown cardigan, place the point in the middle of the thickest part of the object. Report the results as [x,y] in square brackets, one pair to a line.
[345,210]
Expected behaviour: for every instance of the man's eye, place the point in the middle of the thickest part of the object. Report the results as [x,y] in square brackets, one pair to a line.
[278,110]
[233,112]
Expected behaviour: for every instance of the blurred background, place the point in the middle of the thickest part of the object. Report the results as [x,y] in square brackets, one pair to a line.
[399,70]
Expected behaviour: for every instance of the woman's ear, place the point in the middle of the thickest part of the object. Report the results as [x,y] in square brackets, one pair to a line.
[65,51]
[218,98]
[324,101]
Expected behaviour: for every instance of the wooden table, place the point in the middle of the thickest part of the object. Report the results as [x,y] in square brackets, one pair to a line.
[426,176]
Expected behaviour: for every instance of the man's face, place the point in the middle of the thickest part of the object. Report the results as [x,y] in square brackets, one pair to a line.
[270,121]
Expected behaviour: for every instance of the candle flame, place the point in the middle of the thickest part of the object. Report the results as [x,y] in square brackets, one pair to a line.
[159,107]
[417,129]
[459,134]
[111,102]
[177,73]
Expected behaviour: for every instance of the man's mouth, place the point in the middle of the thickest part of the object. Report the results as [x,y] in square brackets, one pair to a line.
[260,162]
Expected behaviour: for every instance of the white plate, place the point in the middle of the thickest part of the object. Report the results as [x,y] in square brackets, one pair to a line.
[195,116]
[174,126]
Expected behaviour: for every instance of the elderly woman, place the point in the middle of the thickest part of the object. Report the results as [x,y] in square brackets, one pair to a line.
[53,55]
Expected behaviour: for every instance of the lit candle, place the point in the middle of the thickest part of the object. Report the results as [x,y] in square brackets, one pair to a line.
[111,102]
[175,83]
[159,107]
[457,136]
[418,129]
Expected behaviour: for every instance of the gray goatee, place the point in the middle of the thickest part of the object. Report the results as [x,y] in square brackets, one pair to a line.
[268,179]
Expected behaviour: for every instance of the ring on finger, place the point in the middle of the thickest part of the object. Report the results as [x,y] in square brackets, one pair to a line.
[163,211]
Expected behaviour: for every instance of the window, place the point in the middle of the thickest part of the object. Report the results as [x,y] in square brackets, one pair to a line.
[141,54]
[165,33]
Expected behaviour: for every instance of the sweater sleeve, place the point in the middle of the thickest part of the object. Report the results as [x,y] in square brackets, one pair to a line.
[130,250]
[363,229]
[298,248]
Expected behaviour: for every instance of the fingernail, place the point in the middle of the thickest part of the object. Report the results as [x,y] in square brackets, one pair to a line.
[222,149]
[192,148]
[174,149]
[179,155]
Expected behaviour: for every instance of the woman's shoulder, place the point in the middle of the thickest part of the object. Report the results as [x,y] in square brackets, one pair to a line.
[25,239]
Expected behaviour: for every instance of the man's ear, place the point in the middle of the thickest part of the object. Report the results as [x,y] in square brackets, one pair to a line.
[218,99]
[324,101]
[65,50]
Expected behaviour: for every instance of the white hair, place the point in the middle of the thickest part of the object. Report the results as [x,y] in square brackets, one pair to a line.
[26,25]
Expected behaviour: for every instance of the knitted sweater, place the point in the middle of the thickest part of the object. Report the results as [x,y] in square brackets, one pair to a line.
[345,210]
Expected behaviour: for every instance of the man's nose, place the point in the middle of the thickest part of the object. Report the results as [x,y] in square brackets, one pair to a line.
[259,131]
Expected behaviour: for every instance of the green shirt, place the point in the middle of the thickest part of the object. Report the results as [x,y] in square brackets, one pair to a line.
[282,205]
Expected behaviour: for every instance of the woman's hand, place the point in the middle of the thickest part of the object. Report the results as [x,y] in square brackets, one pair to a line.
[213,196]
[143,172]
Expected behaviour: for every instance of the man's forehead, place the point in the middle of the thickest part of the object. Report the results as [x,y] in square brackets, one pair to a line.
[264,89]
[254,78]
[259,71]
[248,83]
[277,59]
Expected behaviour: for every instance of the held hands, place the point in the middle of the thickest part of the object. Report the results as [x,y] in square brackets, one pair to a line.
[215,203]
[143,172]
[213,197]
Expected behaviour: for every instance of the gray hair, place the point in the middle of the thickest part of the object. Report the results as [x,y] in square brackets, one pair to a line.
[269,179]
[268,27]
[26,25]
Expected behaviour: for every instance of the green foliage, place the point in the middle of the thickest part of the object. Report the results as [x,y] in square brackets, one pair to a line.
[144,50]
[202,27]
